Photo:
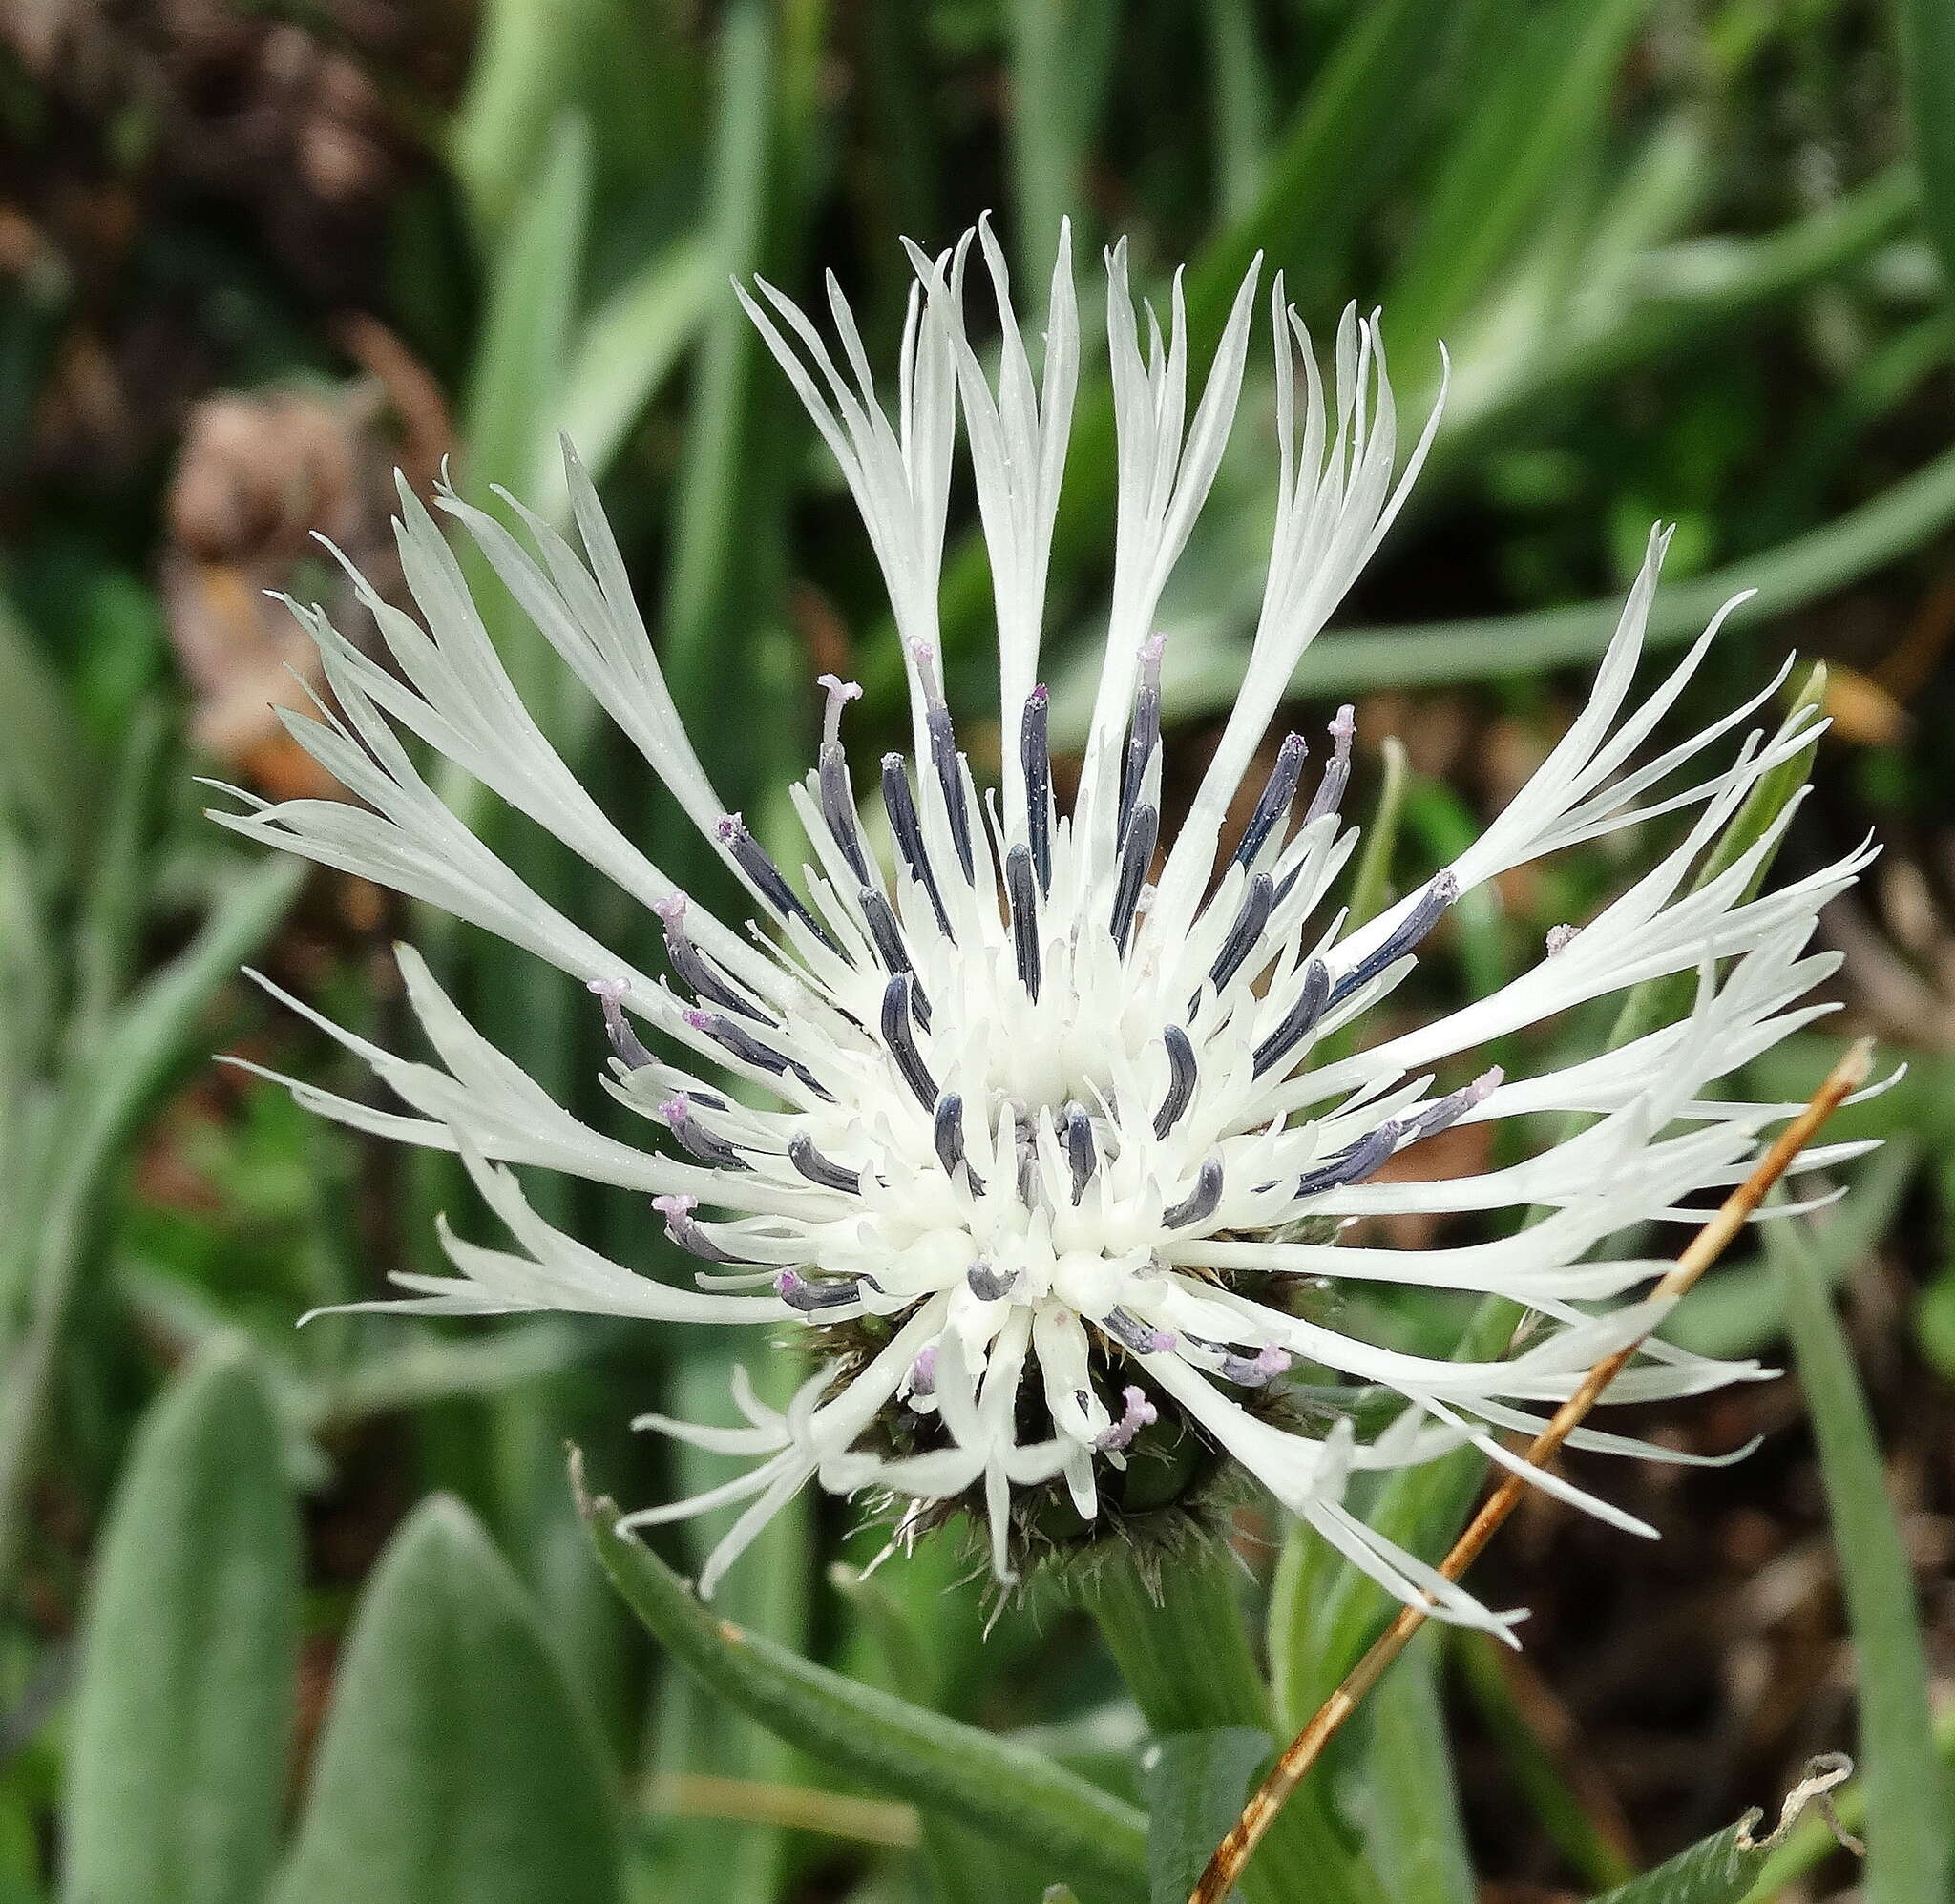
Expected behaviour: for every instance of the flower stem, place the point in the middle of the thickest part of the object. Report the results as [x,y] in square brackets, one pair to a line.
[1182,1646]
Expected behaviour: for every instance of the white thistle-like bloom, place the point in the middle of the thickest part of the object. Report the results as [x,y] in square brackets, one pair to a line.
[1045,1132]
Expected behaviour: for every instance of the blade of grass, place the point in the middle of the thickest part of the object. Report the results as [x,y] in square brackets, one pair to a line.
[1414,1830]
[1909,1810]
[1898,521]
[1925,29]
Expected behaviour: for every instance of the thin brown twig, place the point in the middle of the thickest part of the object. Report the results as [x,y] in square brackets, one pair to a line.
[1233,1853]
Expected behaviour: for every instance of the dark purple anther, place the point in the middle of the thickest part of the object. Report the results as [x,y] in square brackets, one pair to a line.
[624,1041]
[947,1134]
[1352,1165]
[1035,759]
[890,947]
[1278,791]
[1337,773]
[945,758]
[1445,1112]
[738,1043]
[692,968]
[686,1233]
[753,860]
[1299,1021]
[837,796]
[989,1284]
[1146,733]
[1250,917]
[1257,1371]
[1136,855]
[706,1145]
[1181,1080]
[1022,895]
[901,1041]
[908,830]
[799,1293]
[1080,1152]
[1201,1202]
[1135,1335]
[1423,916]
[819,1169]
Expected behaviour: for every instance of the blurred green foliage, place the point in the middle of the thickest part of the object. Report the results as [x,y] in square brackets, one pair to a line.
[1690,261]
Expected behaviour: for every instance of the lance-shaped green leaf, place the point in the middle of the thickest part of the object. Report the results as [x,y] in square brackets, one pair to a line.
[1721,1870]
[1909,1818]
[982,1781]
[1195,1784]
[183,1711]
[456,1766]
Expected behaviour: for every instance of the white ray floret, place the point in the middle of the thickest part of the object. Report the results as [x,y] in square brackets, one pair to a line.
[1048,1125]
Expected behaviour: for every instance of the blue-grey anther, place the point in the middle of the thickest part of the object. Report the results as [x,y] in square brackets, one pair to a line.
[901,807]
[1337,772]
[989,1284]
[1445,1112]
[947,1135]
[739,1042]
[1407,933]
[1081,1154]
[1299,1021]
[950,777]
[1132,1334]
[1202,1202]
[708,1146]
[1136,855]
[680,1228]
[624,1041]
[889,946]
[901,1041]
[1181,1080]
[799,1293]
[1022,895]
[1278,791]
[754,861]
[694,969]
[1352,1165]
[1035,762]
[1146,735]
[837,796]
[803,1155]
[1253,916]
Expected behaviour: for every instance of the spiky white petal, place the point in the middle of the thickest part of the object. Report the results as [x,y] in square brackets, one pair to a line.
[1060,1098]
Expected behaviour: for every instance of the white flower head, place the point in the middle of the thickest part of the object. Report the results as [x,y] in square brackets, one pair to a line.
[1048,1131]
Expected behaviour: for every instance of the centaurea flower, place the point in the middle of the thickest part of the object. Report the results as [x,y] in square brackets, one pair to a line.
[1047,1130]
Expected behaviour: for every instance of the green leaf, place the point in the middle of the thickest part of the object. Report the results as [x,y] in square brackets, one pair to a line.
[456,1767]
[1414,1830]
[1719,1870]
[981,1781]
[1515,150]
[182,1724]
[1195,1784]
[133,1053]
[1909,1814]
[626,349]
[1927,31]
